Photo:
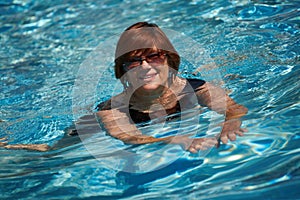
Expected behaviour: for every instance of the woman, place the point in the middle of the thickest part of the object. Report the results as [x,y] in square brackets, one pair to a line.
[147,63]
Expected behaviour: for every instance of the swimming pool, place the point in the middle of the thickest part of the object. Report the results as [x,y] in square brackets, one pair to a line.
[254,46]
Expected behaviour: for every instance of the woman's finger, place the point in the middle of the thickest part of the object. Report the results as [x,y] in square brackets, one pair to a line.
[239,133]
[243,130]
[224,139]
[232,136]
[192,150]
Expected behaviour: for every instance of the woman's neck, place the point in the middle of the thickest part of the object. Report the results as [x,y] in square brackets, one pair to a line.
[148,96]
[147,102]
[166,96]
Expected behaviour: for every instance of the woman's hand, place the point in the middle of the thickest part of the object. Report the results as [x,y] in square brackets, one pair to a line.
[193,145]
[33,147]
[231,128]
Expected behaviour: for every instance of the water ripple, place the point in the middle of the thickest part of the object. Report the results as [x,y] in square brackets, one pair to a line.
[254,45]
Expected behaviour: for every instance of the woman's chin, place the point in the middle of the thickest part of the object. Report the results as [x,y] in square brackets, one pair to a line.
[150,87]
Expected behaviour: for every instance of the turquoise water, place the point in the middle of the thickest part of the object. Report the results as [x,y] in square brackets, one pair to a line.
[254,46]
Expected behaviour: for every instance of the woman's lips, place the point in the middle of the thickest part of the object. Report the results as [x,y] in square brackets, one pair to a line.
[148,77]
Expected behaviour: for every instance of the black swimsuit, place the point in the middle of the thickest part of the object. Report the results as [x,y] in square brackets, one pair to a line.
[139,117]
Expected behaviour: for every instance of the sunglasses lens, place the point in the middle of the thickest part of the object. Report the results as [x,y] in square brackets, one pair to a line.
[155,58]
[131,64]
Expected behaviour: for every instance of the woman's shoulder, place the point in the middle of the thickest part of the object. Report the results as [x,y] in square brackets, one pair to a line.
[105,105]
[191,83]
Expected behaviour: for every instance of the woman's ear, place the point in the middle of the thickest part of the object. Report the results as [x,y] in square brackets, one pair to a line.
[124,81]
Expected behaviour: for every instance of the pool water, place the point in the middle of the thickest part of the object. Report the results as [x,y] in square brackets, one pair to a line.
[254,46]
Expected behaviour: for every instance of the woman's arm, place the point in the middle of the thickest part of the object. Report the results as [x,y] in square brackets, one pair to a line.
[70,136]
[215,98]
[119,126]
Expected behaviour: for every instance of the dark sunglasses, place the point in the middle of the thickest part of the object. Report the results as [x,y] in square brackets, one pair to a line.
[153,58]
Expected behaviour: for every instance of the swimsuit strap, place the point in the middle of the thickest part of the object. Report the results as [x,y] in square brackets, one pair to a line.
[195,83]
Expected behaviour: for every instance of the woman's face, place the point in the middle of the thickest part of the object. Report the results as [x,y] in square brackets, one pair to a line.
[147,73]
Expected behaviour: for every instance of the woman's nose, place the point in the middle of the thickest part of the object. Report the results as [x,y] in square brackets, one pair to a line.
[145,65]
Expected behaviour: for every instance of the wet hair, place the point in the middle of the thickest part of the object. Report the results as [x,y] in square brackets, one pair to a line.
[143,38]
